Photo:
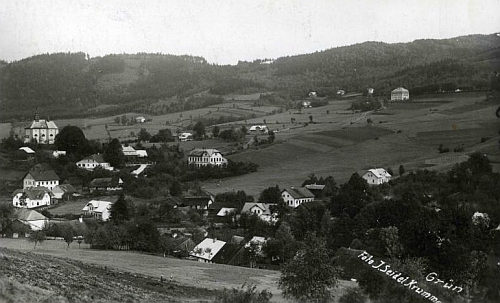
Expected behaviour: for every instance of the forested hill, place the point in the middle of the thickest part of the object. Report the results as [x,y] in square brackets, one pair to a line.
[73,84]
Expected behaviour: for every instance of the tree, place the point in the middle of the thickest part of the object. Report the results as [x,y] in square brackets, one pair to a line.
[401,170]
[121,210]
[311,274]
[199,129]
[176,188]
[271,195]
[244,130]
[6,215]
[37,237]
[215,131]
[114,154]
[117,120]
[163,135]
[310,119]
[143,135]
[353,295]
[67,233]
[72,140]
[271,136]
[242,295]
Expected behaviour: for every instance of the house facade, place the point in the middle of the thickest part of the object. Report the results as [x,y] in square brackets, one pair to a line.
[98,209]
[376,176]
[39,176]
[106,184]
[40,130]
[183,137]
[262,210]
[296,196]
[203,157]
[94,161]
[399,94]
[31,197]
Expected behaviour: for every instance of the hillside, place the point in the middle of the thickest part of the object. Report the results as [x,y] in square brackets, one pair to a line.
[68,85]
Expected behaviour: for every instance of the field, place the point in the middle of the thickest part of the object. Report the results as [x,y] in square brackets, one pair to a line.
[126,275]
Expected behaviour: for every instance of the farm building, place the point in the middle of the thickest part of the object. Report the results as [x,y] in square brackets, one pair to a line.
[377,176]
[198,202]
[305,104]
[140,119]
[63,191]
[313,95]
[130,152]
[296,196]
[400,93]
[202,157]
[27,150]
[94,161]
[98,209]
[317,189]
[106,184]
[207,249]
[183,137]
[258,129]
[42,131]
[32,197]
[40,175]
[178,245]
[31,218]
[262,210]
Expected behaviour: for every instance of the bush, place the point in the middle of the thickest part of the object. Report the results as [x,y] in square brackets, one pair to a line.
[353,295]
[248,294]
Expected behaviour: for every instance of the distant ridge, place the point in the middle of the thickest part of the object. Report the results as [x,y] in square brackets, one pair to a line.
[66,85]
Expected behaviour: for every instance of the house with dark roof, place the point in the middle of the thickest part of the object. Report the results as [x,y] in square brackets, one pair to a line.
[179,245]
[40,130]
[94,161]
[40,176]
[206,156]
[317,189]
[76,182]
[198,202]
[32,197]
[63,191]
[295,196]
[106,184]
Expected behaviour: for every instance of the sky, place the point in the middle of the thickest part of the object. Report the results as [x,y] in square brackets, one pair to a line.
[225,31]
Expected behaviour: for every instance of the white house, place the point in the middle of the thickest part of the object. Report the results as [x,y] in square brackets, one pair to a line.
[207,249]
[31,197]
[185,137]
[98,209]
[295,196]
[58,153]
[130,152]
[94,161]
[262,210]
[258,129]
[203,157]
[140,119]
[41,131]
[40,176]
[400,93]
[313,95]
[31,218]
[377,176]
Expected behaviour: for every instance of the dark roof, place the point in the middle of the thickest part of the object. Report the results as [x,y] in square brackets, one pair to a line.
[34,193]
[42,173]
[197,200]
[299,193]
[226,253]
[68,188]
[174,201]
[104,182]
[99,158]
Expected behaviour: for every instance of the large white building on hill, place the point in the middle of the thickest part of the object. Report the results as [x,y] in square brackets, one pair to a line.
[400,94]
[42,131]
[203,157]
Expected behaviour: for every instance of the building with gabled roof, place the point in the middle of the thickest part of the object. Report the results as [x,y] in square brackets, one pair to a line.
[399,94]
[294,196]
[40,130]
[262,210]
[376,176]
[207,249]
[63,191]
[106,184]
[100,210]
[31,218]
[94,161]
[39,175]
[32,197]
[27,150]
[206,156]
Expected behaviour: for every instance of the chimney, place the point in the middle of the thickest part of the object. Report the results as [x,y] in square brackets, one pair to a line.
[37,116]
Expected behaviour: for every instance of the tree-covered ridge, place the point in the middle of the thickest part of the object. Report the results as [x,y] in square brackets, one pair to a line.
[74,84]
